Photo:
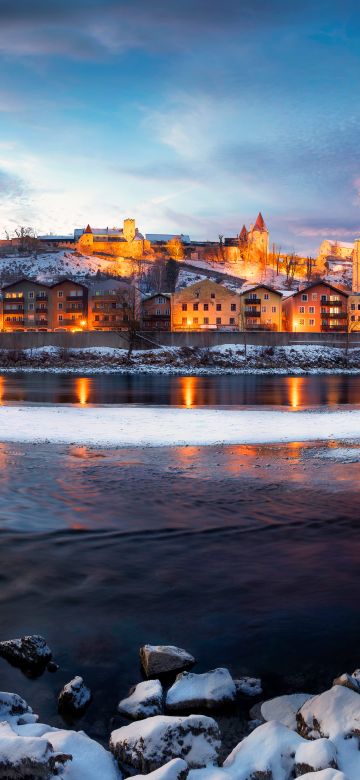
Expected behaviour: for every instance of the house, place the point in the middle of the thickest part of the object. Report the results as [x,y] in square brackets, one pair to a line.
[261,308]
[31,305]
[205,305]
[318,308]
[118,242]
[113,304]
[156,312]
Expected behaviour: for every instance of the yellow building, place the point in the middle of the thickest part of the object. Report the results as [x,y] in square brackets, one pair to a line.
[261,309]
[354,311]
[118,242]
[205,305]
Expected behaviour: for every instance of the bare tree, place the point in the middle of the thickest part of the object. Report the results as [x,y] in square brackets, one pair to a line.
[175,248]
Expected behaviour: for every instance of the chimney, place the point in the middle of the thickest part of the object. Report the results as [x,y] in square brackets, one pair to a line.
[356,267]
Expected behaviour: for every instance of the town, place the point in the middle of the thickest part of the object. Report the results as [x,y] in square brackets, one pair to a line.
[166,282]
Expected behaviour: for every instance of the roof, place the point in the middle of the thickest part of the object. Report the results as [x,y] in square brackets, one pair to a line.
[243,233]
[260,224]
[50,237]
[258,286]
[154,237]
[156,295]
[323,283]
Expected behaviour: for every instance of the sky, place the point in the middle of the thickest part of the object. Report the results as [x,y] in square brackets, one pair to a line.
[191,116]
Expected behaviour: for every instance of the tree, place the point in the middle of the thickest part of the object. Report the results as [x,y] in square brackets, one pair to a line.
[175,248]
[27,240]
[128,300]
[291,263]
[310,262]
[171,275]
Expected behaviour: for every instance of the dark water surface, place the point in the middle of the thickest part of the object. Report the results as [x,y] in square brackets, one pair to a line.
[247,556]
[225,390]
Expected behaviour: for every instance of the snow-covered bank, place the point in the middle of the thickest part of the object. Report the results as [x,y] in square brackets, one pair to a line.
[167,426]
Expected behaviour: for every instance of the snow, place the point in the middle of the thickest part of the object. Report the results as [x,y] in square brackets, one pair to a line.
[145,700]
[201,690]
[175,769]
[249,686]
[324,774]
[284,708]
[318,753]
[75,694]
[159,659]
[270,748]
[154,426]
[15,751]
[90,761]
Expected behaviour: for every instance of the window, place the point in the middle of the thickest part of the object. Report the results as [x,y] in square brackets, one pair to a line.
[212,295]
[31,307]
[73,317]
[60,293]
[314,296]
[311,323]
[358,306]
[218,307]
[273,309]
[266,296]
[232,320]
[301,322]
[304,297]
[218,320]
[311,309]
[96,318]
[31,294]
[60,317]
[167,312]
[195,321]
[263,309]
[184,307]
[206,307]
[206,320]
[233,307]
[31,316]
[197,294]
[323,298]
[75,293]
[184,321]
[302,309]
[196,306]
[158,311]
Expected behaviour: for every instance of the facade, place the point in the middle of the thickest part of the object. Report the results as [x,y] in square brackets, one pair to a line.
[112,305]
[29,305]
[156,312]
[205,305]
[318,308]
[261,309]
[250,244]
[118,242]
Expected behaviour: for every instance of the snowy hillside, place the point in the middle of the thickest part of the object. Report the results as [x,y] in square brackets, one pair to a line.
[63,262]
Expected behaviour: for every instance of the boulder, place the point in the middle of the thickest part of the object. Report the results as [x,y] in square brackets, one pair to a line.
[211,689]
[284,708]
[330,714]
[148,744]
[325,774]
[176,769]
[14,709]
[27,652]
[248,686]
[90,761]
[313,755]
[28,757]
[145,699]
[162,659]
[349,681]
[266,754]
[74,696]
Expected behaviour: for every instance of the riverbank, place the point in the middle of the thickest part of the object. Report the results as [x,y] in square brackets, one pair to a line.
[196,361]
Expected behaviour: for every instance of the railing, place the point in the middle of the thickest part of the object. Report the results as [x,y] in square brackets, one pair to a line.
[41,323]
[336,302]
[255,313]
[14,309]
[253,300]
[74,297]
[41,297]
[334,316]
[333,328]
[15,298]
[39,310]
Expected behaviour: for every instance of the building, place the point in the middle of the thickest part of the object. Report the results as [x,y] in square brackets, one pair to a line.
[250,244]
[205,305]
[57,242]
[156,312]
[113,304]
[118,242]
[161,239]
[30,305]
[261,309]
[318,308]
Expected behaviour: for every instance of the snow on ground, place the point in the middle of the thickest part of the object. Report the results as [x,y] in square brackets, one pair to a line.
[124,426]
[50,265]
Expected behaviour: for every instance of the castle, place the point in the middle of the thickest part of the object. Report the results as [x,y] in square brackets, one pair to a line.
[120,242]
[252,244]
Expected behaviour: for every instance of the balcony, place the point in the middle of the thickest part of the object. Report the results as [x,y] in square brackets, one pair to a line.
[74,297]
[14,298]
[254,313]
[253,301]
[41,297]
[78,310]
[333,316]
[13,309]
[333,328]
[336,302]
[41,323]
[39,310]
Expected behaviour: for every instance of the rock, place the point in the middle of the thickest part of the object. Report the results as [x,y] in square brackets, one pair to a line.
[211,689]
[249,686]
[52,667]
[90,761]
[75,695]
[266,754]
[161,659]
[176,769]
[28,757]
[330,714]
[26,652]
[145,699]
[349,681]
[325,774]
[314,755]
[14,709]
[148,744]
[284,708]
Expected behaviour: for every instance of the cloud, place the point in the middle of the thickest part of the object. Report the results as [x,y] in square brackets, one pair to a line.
[11,186]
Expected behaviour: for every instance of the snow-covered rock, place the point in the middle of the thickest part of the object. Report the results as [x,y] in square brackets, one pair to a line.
[284,708]
[74,695]
[90,761]
[148,744]
[176,769]
[325,774]
[249,686]
[330,714]
[160,659]
[14,709]
[211,689]
[351,681]
[28,651]
[268,753]
[313,755]
[145,699]
[28,757]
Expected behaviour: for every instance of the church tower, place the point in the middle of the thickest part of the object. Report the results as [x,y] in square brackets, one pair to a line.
[259,235]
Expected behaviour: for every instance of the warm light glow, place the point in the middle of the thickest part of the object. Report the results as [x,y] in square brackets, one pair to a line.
[2,384]
[295,386]
[83,390]
[189,322]
[189,386]
[83,323]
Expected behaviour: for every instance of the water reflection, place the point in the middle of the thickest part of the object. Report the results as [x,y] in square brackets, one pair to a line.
[187,391]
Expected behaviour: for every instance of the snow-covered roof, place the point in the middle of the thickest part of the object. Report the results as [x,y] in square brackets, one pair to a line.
[154,237]
[51,237]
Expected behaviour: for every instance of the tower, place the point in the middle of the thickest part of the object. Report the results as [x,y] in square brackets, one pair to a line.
[259,235]
[129,229]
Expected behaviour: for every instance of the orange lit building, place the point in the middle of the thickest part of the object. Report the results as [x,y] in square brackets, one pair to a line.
[112,303]
[205,305]
[30,305]
[156,312]
[261,309]
[318,308]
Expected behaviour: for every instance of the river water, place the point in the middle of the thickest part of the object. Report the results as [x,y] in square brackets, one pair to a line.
[247,556]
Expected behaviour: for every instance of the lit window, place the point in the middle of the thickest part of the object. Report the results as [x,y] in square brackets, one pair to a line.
[273,309]
[311,309]
[302,309]
[263,309]
[195,321]
[301,322]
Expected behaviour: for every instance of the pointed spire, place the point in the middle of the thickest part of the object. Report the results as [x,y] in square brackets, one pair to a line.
[260,224]
[88,229]
[243,234]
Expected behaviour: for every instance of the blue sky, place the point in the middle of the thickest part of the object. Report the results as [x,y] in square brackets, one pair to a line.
[190,116]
